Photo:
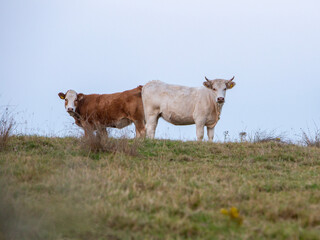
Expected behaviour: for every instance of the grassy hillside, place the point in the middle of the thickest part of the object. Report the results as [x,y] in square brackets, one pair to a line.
[53,188]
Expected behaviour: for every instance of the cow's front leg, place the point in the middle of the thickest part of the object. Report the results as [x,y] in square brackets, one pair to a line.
[102,131]
[200,131]
[152,122]
[210,132]
[88,129]
[85,129]
[86,132]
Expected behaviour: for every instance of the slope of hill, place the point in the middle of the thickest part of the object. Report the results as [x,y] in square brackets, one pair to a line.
[53,188]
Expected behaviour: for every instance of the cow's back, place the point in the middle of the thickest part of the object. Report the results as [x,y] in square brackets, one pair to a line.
[161,94]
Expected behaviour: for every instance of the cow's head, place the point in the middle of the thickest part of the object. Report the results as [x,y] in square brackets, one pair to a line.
[71,100]
[219,86]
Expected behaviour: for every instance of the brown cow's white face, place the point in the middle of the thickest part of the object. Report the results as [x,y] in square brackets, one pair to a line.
[219,87]
[71,100]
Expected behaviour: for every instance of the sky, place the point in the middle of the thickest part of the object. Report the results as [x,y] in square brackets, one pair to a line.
[272,47]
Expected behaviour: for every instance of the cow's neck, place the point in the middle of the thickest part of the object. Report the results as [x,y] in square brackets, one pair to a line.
[219,107]
[75,115]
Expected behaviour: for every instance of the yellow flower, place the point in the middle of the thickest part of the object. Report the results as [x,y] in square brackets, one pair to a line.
[233,213]
[224,211]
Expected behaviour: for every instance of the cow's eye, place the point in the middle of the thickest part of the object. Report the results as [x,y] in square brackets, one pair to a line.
[225,89]
[214,89]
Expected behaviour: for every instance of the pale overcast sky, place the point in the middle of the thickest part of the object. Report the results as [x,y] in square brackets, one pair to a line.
[272,47]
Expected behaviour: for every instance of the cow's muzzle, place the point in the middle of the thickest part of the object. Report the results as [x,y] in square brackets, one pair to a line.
[220,100]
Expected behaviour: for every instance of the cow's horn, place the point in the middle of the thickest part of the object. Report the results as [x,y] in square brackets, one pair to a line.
[207,79]
[231,79]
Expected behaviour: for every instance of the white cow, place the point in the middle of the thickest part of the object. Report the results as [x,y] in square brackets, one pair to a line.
[182,105]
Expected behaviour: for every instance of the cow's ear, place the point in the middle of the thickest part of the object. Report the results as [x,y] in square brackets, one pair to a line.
[207,84]
[61,95]
[230,85]
[80,96]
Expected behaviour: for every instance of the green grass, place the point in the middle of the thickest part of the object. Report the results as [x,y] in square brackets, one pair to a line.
[52,188]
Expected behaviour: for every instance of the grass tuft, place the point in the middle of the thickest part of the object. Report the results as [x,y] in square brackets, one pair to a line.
[262,136]
[96,143]
[311,140]
[7,124]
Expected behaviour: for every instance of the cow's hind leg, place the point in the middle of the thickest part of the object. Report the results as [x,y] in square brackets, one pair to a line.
[152,122]
[210,132]
[140,129]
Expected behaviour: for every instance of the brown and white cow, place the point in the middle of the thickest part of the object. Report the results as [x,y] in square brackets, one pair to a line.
[182,105]
[98,111]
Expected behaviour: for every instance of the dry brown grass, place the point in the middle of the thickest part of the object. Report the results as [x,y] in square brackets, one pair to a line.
[7,124]
[309,139]
[263,136]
